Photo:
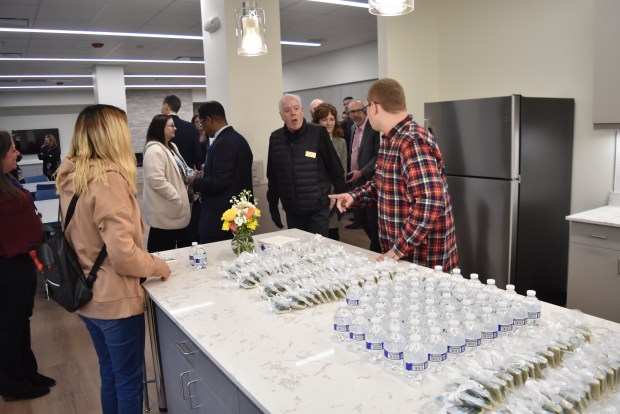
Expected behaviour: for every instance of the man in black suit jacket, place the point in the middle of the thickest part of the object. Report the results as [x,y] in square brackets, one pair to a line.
[364,149]
[186,137]
[227,172]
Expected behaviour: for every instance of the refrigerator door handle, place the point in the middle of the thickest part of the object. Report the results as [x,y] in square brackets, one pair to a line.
[596,236]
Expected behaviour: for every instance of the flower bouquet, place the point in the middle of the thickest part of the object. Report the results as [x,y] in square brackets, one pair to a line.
[242,220]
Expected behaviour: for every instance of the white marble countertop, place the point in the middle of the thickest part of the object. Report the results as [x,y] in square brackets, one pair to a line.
[605,216]
[285,363]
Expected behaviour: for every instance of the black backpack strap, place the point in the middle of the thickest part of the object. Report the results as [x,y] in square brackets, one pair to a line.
[70,210]
[92,275]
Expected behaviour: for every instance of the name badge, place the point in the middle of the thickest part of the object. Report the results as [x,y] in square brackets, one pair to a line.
[310,154]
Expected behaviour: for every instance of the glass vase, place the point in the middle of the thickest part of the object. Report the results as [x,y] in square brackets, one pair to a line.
[242,243]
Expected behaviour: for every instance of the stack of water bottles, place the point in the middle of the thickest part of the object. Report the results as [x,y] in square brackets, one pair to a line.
[413,321]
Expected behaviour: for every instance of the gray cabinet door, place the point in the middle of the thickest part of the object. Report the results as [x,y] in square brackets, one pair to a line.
[594,281]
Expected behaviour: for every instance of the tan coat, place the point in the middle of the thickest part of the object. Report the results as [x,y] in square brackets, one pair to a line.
[109,213]
[165,202]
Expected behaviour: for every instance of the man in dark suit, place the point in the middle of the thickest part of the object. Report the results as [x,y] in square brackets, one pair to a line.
[364,149]
[227,172]
[186,137]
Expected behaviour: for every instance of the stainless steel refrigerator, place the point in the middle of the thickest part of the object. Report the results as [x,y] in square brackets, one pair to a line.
[508,162]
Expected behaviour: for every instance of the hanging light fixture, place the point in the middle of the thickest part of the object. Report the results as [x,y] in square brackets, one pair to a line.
[250,30]
[390,7]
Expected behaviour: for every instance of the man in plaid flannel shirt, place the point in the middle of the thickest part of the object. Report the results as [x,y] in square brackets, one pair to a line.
[409,185]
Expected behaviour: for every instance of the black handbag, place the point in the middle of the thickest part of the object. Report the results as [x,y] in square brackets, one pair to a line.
[64,279]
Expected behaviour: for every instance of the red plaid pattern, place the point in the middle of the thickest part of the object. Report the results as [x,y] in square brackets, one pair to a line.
[410,187]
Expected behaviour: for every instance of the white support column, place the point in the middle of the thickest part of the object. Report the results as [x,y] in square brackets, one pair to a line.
[109,82]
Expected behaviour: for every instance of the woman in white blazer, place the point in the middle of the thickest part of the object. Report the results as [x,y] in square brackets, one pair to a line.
[165,200]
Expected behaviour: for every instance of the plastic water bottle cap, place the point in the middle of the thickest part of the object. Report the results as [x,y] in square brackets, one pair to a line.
[395,328]
[456,270]
[490,281]
[531,293]
[487,309]
[194,243]
[438,267]
[415,338]
[453,322]
[510,287]
[375,320]
[473,276]
[394,315]
[359,311]
[435,330]
[470,317]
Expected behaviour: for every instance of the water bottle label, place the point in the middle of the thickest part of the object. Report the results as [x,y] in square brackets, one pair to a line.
[199,260]
[458,349]
[411,366]
[374,346]
[353,302]
[392,356]
[473,342]
[437,357]
[533,315]
[505,328]
[191,258]
[341,328]
[357,336]
[519,322]
[489,335]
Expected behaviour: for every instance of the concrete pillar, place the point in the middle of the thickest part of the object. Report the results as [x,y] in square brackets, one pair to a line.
[109,82]
[248,87]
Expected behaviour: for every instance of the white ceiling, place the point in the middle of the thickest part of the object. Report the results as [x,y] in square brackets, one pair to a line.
[336,27]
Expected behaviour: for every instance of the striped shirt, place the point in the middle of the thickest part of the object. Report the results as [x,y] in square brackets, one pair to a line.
[410,188]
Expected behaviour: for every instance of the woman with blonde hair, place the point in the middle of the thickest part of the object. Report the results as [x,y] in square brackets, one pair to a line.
[101,169]
[326,115]
[50,155]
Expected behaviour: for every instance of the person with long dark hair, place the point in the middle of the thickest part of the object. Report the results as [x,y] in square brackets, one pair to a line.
[165,199]
[50,155]
[21,229]
[101,168]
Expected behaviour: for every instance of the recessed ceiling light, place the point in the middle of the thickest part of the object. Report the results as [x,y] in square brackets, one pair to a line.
[291,43]
[93,33]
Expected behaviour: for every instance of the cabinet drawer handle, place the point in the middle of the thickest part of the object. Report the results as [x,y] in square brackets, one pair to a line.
[191,405]
[185,351]
[182,386]
[596,236]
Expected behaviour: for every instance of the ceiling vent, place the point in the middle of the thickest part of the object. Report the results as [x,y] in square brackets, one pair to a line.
[15,23]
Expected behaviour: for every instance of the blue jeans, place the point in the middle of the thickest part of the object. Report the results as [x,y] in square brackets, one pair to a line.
[120,347]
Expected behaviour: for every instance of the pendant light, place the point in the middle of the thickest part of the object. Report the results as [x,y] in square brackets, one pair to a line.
[390,7]
[250,30]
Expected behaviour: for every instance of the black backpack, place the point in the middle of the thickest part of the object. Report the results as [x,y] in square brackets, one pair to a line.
[64,280]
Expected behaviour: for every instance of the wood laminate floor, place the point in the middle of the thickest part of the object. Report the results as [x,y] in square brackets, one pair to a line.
[65,352]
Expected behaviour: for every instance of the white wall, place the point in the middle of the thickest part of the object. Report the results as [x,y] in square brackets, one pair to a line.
[481,48]
[350,65]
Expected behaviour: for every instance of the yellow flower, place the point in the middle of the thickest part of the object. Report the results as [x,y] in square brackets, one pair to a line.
[252,224]
[226,225]
[229,215]
[257,212]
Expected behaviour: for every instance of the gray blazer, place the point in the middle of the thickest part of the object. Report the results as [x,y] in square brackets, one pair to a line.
[367,154]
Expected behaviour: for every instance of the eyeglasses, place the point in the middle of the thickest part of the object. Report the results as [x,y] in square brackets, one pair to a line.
[357,111]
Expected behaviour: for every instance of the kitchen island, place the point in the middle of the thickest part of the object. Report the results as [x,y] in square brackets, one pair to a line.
[222,351]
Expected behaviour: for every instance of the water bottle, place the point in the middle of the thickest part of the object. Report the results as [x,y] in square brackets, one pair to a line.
[519,313]
[456,274]
[449,314]
[342,319]
[366,307]
[455,339]
[437,348]
[472,331]
[532,304]
[416,359]
[354,292]
[374,340]
[192,250]
[504,318]
[492,290]
[467,308]
[380,312]
[200,258]
[357,330]
[432,321]
[393,348]
[489,326]
[474,284]
[414,327]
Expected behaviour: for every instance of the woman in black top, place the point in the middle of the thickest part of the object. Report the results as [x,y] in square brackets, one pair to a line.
[50,155]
